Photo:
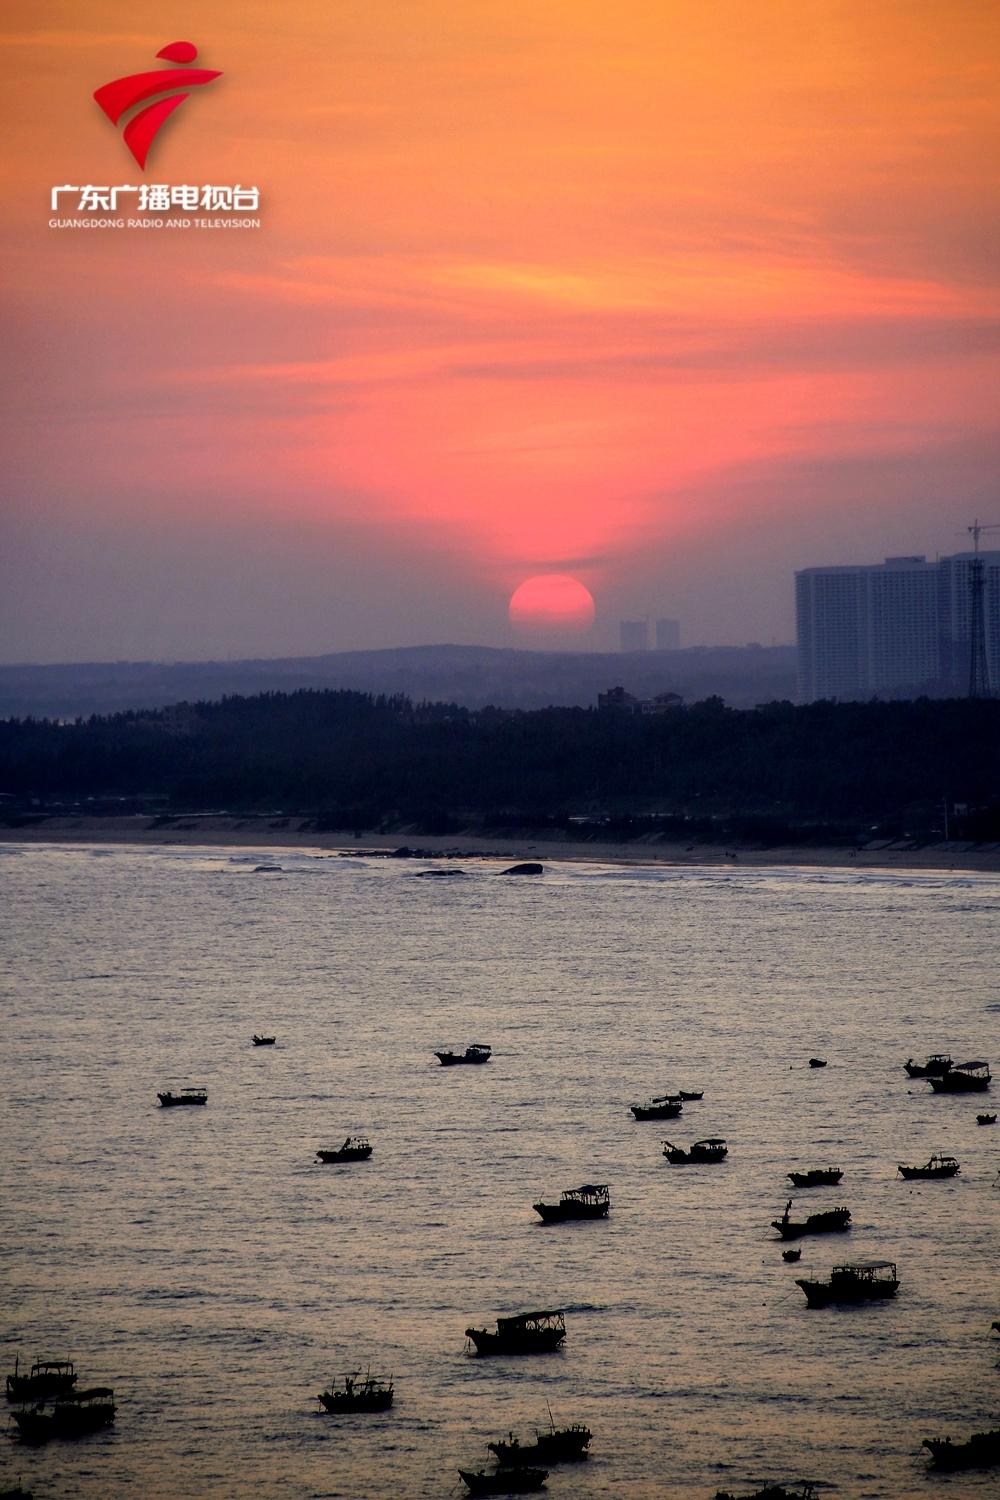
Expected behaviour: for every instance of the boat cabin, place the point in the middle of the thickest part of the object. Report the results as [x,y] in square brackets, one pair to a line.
[870,1271]
[533,1322]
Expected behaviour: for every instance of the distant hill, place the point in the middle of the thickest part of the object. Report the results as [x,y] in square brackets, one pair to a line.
[472,676]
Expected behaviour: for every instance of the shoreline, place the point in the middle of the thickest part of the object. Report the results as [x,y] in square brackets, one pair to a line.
[299,833]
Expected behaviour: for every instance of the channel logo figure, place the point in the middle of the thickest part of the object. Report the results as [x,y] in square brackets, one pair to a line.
[117,97]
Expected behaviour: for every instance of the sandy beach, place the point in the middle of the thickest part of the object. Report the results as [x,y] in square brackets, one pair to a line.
[300,833]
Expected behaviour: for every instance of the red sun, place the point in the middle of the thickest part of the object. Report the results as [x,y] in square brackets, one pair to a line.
[551,601]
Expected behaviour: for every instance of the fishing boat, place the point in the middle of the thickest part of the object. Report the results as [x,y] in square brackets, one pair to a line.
[369,1394]
[938,1166]
[816,1177]
[817,1062]
[47,1378]
[687,1095]
[986,1119]
[263,1041]
[713,1148]
[170,1100]
[526,1333]
[791,1255]
[831,1221]
[559,1445]
[980,1451]
[661,1107]
[504,1481]
[476,1053]
[935,1067]
[73,1415]
[862,1281]
[589,1202]
[963,1078]
[804,1490]
[355,1148]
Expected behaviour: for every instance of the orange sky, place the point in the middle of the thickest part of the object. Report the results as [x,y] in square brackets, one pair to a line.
[635,291]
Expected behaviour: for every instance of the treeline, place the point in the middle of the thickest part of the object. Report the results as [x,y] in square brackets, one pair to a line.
[351,759]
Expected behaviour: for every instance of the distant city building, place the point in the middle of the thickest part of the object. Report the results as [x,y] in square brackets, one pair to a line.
[618,698]
[888,627]
[634,635]
[668,635]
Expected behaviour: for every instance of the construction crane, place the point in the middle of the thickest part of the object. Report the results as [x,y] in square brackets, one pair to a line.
[979,665]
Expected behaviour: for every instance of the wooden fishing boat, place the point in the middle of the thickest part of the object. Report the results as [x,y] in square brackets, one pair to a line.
[830,1221]
[986,1119]
[791,1255]
[712,1149]
[661,1107]
[862,1281]
[47,1378]
[559,1445]
[963,1078]
[816,1177]
[263,1041]
[367,1394]
[804,1490]
[525,1333]
[504,1481]
[589,1202]
[170,1100]
[980,1451]
[938,1166]
[355,1148]
[73,1415]
[687,1095]
[475,1054]
[936,1065]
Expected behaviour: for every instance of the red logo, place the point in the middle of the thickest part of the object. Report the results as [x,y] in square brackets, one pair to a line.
[117,97]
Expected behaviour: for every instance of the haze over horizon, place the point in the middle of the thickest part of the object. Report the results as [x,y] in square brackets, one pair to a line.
[673,303]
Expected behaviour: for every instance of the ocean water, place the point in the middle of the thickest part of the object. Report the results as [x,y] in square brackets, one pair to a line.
[203,1264]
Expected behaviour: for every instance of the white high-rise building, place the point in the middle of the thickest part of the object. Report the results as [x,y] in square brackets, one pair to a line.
[901,625]
[894,626]
[828,619]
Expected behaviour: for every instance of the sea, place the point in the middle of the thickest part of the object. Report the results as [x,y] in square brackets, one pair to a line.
[202,1262]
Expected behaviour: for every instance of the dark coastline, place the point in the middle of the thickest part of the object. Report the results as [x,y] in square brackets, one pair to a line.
[300,834]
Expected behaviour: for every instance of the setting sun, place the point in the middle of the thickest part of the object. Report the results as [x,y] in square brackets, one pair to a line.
[551,601]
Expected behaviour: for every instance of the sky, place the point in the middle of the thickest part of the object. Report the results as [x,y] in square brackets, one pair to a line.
[671,299]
